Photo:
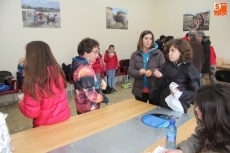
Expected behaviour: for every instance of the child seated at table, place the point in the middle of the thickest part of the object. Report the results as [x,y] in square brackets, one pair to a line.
[212,111]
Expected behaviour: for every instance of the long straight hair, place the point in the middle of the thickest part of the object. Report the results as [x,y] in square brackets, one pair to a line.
[41,71]
[214,104]
[140,41]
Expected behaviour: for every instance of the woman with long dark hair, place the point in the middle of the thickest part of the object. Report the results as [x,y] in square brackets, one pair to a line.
[212,110]
[44,87]
[143,62]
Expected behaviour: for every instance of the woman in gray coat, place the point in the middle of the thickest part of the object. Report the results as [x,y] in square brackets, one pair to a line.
[212,110]
[143,63]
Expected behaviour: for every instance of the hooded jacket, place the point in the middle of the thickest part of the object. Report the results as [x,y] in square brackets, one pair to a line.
[49,109]
[87,93]
[188,82]
[111,62]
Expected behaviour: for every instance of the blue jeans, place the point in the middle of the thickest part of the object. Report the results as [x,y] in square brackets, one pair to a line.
[111,78]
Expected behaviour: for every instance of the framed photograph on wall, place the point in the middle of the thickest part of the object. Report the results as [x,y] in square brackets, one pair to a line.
[116,18]
[198,20]
[41,13]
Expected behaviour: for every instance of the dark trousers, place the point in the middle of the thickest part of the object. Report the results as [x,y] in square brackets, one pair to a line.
[144,98]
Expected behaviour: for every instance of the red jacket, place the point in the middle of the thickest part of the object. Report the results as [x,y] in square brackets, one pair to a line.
[212,56]
[98,66]
[185,38]
[49,110]
[111,62]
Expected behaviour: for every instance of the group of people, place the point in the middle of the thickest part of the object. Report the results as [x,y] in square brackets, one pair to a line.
[44,85]
[155,65]
[153,71]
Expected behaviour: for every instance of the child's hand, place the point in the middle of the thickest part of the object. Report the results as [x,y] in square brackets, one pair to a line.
[111,55]
[20,97]
[21,61]
[157,73]
[142,71]
[174,90]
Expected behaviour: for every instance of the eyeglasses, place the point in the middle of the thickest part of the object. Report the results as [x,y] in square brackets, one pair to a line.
[96,53]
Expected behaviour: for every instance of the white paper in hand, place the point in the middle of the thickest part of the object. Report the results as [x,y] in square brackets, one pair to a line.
[173,101]
[5,144]
[173,87]
[159,149]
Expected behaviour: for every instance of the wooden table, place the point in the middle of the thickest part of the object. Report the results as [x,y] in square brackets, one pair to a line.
[223,67]
[47,138]
[184,132]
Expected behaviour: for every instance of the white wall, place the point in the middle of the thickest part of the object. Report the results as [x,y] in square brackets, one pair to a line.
[171,22]
[79,19]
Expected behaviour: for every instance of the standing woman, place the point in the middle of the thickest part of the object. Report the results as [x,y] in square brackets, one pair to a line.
[44,87]
[142,64]
[111,60]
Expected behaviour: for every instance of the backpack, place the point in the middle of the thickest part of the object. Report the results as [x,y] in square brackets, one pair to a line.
[4,87]
[3,75]
[67,70]
[126,63]
[107,90]
[223,75]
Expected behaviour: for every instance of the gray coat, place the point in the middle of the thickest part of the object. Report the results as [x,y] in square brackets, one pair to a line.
[198,53]
[156,60]
[193,143]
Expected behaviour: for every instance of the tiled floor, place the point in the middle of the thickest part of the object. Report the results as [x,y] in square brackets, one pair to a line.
[17,122]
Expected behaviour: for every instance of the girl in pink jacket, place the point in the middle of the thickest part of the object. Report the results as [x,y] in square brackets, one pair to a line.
[44,87]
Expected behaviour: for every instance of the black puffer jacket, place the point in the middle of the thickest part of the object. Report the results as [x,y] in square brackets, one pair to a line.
[206,43]
[188,81]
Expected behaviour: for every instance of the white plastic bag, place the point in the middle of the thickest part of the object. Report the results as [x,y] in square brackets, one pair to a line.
[5,145]
[173,101]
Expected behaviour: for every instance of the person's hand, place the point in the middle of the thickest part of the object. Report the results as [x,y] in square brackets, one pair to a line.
[173,93]
[157,73]
[21,61]
[20,97]
[142,71]
[111,55]
[173,151]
